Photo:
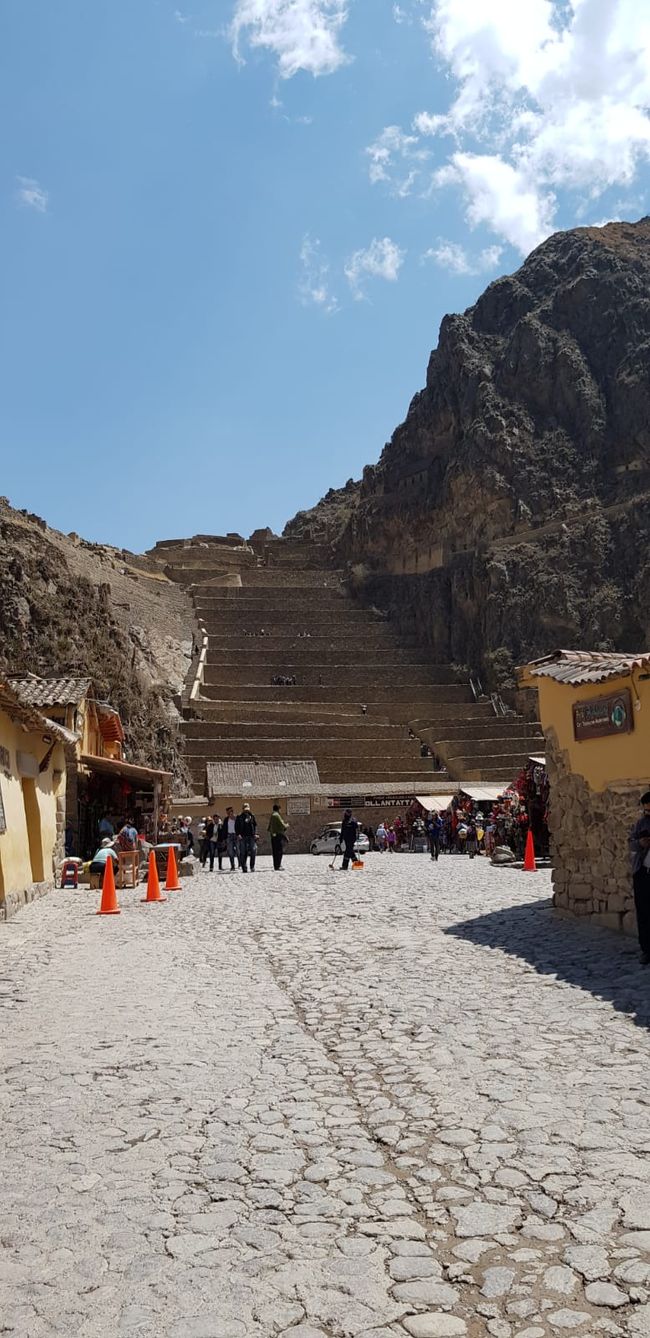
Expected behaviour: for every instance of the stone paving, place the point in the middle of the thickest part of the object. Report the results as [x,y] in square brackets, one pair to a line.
[401,1101]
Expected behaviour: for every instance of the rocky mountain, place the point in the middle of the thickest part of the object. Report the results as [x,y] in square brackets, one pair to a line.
[510,512]
[69,606]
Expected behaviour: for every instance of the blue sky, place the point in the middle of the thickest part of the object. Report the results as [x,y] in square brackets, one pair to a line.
[231,230]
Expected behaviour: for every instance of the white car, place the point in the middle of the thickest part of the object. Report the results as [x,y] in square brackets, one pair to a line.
[329,842]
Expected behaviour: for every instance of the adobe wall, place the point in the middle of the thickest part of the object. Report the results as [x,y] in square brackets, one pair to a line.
[589,844]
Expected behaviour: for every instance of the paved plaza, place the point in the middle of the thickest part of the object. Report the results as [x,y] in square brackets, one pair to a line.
[401,1101]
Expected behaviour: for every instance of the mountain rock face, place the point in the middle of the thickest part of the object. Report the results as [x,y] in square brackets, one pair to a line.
[510,513]
[72,607]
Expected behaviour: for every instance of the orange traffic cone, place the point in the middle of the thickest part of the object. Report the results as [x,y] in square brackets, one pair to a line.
[529,858]
[172,883]
[108,905]
[153,885]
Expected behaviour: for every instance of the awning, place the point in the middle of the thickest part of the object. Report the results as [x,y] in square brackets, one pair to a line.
[439,802]
[487,793]
[109,766]
[538,761]
[110,725]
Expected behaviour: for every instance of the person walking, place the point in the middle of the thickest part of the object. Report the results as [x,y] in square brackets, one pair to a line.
[228,837]
[212,848]
[207,837]
[246,829]
[277,828]
[349,830]
[640,846]
[434,826]
[471,840]
[219,840]
[188,834]
[380,837]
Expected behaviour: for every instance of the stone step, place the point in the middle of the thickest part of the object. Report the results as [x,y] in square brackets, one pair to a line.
[351,655]
[472,766]
[254,652]
[331,676]
[285,637]
[505,743]
[250,617]
[411,703]
[357,770]
[324,712]
[486,729]
[248,747]
[267,578]
[382,735]
[255,599]
[250,711]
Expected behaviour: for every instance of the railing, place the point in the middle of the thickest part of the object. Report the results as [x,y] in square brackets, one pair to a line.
[498,705]
[200,668]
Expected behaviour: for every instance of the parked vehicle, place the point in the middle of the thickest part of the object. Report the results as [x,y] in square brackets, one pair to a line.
[329,842]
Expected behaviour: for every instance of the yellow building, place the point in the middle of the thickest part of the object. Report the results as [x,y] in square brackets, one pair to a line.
[32,798]
[595,712]
[100,781]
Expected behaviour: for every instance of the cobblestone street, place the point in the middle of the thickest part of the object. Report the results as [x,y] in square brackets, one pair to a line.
[403,1101]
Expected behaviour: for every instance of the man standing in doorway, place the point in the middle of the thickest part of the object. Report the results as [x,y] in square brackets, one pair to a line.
[349,831]
[276,829]
[640,843]
[246,829]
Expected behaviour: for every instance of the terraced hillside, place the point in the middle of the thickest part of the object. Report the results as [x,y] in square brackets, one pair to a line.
[275,607]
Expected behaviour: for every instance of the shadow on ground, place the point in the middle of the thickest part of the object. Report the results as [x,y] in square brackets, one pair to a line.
[597,960]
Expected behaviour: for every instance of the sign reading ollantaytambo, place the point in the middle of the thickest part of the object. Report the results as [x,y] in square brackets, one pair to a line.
[599,716]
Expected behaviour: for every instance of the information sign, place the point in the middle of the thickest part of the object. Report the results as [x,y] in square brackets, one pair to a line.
[599,716]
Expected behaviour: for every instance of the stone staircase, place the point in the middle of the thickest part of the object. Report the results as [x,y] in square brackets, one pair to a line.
[277,608]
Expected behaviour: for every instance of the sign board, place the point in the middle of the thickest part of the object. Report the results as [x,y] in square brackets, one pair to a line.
[599,716]
[371,801]
[298,805]
[3,820]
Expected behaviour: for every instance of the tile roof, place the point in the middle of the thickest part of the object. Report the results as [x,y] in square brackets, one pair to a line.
[298,778]
[34,691]
[29,716]
[586,666]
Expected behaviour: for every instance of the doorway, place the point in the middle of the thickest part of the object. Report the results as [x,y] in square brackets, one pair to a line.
[34,835]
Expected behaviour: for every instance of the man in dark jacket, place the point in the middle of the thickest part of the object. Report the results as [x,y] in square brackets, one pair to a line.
[640,846]
[434,830]
[349,830]
[246,829]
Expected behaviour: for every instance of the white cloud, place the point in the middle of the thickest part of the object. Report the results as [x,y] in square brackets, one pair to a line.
[314,287]
[302,34]
[502,197]
[557,92]
[382,259]
[547,96]
[455,259]
[32,195]
[390,158]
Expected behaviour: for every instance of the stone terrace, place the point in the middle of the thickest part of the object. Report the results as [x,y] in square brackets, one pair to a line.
[279,608]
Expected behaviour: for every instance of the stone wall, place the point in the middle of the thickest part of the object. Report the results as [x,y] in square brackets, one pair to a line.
[15,900]
[589,844]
